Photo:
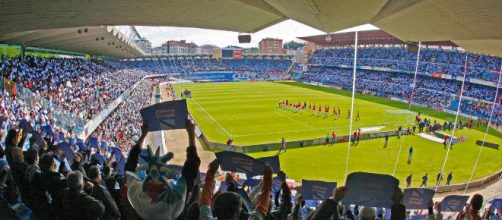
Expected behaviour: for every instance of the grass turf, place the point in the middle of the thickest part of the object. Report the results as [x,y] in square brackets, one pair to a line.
[248,113]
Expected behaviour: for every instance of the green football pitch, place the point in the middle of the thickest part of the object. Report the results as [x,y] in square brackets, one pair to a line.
[248,112]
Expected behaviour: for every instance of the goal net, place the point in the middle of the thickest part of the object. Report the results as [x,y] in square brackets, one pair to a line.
[398,117]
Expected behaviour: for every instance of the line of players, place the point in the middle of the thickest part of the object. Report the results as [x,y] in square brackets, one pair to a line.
[314,109]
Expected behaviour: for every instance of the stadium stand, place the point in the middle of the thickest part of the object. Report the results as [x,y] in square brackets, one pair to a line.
[57,177]
[331,67]
[189,66]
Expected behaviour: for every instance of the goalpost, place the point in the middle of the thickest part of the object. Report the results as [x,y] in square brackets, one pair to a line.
[398,117]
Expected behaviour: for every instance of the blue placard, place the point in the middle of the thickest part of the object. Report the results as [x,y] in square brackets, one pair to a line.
[370,189]
[121,166]
[317,190]
[144,153]
[100,158]
[223,186]
[276,185]
[166,116]
[497,204]
[66,149]
[93,142]
[202,177]
[61,136]
[454,203]
[418,217]
[240,181]
[47,129]
[417,198]
[253,182]
[82,146]
[117,152]
[273,161]
[241,163]
[103,144]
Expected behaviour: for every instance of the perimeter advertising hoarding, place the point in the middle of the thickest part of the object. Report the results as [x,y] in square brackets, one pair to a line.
[222,76]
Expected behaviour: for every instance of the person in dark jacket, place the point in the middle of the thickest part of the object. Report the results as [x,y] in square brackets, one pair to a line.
[328,209]
[78,204]
[34,193]
[18,166]
[285,206]
[11,143]
[55,183]
[101,193]
[77,163]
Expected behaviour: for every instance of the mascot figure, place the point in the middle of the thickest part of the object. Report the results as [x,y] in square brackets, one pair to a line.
[152,195]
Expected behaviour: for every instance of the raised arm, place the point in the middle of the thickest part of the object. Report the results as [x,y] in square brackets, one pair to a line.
[205,199]
[133,158]
[264,199]
[192,163]
[329,207]
[398,210]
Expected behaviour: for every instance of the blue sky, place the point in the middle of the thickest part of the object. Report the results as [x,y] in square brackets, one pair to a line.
[287,30]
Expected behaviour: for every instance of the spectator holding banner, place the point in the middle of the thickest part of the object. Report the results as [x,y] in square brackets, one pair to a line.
[228,205]
[471,211]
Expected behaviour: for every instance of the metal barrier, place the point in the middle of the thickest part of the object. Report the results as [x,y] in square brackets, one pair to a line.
[63,118]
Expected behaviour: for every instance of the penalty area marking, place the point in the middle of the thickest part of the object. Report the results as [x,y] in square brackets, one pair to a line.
[292,119]
[210,116]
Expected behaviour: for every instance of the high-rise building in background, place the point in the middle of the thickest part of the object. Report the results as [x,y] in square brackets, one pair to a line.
[271,46]
[174,47]
[180,47]
[145,45]
[207,49]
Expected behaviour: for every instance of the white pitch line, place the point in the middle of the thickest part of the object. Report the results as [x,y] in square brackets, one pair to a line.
[281,132]
[303,123]
[210,116]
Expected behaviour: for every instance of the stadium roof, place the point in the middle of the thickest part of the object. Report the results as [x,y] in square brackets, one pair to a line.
[102,40]
[473,25]
[364,38]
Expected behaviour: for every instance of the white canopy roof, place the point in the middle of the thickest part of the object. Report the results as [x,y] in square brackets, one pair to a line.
[471,24]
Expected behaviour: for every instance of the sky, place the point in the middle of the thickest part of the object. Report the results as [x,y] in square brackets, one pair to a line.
[287,30]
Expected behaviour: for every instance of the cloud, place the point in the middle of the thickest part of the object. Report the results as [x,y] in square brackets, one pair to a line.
[287,30]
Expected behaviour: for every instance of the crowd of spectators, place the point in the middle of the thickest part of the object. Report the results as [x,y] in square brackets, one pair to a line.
[44,182]
[49,176]
[187,66]
[79,86]
[432,92]
[257,66]
[120,127]
[450,62]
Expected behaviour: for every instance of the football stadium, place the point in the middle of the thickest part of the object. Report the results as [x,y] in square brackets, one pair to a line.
[201,110]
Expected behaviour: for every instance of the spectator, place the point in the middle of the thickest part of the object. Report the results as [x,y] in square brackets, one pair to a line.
[101,193]
[77,203]
[55,183]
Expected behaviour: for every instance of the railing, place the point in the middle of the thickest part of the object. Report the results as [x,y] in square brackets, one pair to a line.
[63,118]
